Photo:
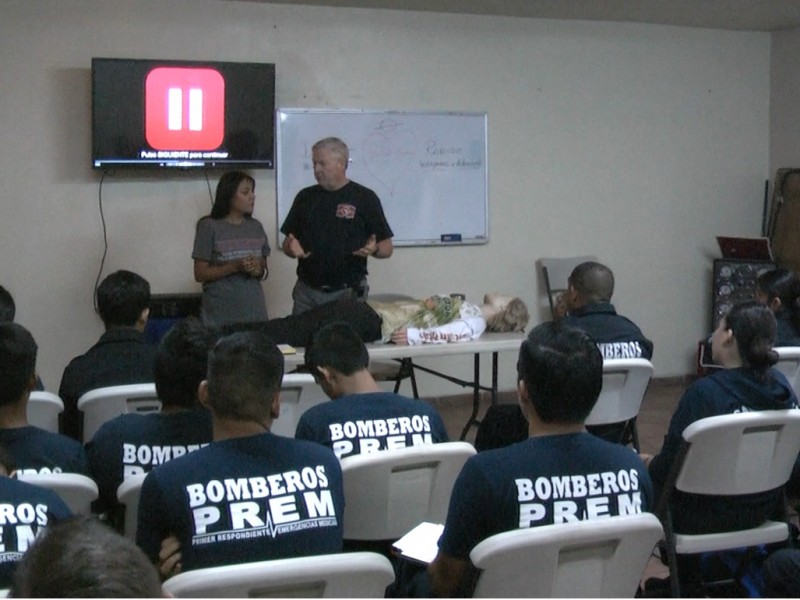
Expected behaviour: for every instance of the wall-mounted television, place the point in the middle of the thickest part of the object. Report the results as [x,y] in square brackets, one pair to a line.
[182,114]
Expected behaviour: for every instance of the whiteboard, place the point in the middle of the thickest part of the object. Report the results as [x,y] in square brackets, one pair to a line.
[428,168]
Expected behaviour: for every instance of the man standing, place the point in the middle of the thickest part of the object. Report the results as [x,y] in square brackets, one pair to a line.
[559,474]
[361,418]
[331,229]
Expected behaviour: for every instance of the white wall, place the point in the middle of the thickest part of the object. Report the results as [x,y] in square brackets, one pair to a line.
[784,118]
[633,142]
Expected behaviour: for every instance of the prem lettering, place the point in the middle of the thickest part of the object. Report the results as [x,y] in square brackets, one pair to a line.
[268,504]
[578,497]
[23,520]
[379,434]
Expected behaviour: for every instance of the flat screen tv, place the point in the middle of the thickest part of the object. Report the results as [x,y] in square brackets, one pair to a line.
[182,114]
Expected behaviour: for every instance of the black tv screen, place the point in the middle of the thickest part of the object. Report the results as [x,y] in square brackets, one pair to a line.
[182,114]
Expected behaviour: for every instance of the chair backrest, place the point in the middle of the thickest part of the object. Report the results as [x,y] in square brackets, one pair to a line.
[128,495]
[602,558]
[103,404]
[789,365]
[741,453]
[77,491]
[625,382]
[388,493]
[43,410]
[299,392]
[346,575]
[556,272]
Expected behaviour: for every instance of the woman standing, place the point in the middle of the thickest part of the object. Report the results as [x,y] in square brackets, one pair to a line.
[230,254]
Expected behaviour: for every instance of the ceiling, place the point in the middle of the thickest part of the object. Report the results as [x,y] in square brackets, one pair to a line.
[738,15]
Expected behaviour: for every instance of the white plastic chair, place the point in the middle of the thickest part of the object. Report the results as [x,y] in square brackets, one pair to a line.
[77,491]
[789,365]
[128,495]
[346,575]
[731,455]
[625,382]
[388,493]
[299,392]
[601,558]
[103,404]
[43,410]
[556,272]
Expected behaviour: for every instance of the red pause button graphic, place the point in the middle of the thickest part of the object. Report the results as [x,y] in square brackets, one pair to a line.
[184,108]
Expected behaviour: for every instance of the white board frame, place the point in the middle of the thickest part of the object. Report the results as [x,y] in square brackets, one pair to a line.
[439,195]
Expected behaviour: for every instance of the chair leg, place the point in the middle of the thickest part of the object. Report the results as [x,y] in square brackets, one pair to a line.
[634,434]
[672,558]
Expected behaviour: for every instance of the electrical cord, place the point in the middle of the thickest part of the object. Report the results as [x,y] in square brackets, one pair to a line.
[105,239]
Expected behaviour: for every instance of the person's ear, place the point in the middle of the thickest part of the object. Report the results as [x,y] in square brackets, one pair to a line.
[32,382]
[775,304]
[143,317]
[202,394]
[275,407]
[325,374]
[523,398]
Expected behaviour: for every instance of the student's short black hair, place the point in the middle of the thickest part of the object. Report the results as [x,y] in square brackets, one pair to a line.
[593,281]
[7,307]
[245,371]
[17,361]
[121,298]
[84,558]
[181,362]
[336,346]
[563,372]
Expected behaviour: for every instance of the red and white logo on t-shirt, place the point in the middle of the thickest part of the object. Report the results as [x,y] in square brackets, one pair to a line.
[346,211]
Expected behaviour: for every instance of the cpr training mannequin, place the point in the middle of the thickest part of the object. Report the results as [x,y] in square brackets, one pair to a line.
[437,319]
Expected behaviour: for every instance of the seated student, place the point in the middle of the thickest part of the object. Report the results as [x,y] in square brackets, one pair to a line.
[742,345]
[586,305]
[779,289]
[25,510]
[83,558]
[250,495]
[121,356]
[436,319]
[34,450]
[362,417]
[134,444]
[560,373]
[8,310]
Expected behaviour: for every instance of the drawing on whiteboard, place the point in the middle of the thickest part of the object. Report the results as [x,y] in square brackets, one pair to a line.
[388,153]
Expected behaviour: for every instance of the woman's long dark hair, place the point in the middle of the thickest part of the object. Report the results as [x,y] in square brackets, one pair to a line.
[785,286]
[753,326]
[226,190]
